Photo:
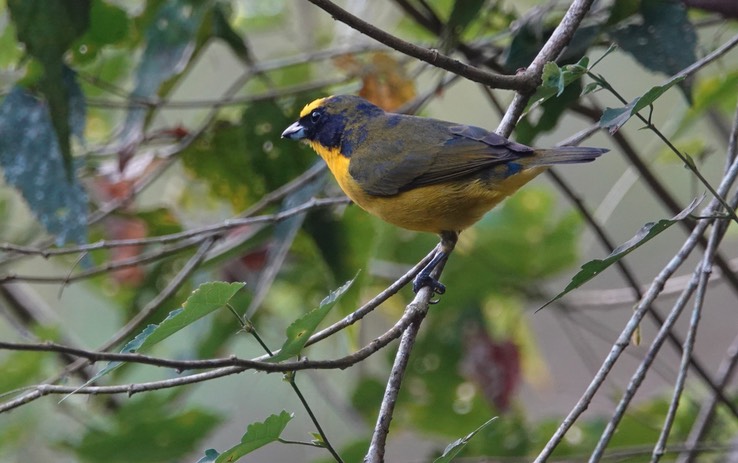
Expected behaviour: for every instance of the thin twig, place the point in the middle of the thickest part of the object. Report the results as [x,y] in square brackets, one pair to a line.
[659,190]
[224,367]
[624,339]
[205,231]
[637,378]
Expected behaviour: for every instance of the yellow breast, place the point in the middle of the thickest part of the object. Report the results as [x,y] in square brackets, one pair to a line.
[450,206]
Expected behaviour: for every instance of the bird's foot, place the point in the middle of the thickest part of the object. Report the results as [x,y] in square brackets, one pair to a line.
[423,280]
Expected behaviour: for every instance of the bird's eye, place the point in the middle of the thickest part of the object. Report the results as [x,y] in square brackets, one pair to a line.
[315,115]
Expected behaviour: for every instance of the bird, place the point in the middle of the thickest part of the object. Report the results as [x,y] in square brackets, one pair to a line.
[420,173]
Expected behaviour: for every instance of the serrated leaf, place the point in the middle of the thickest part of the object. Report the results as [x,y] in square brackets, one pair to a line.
[205,299]
[614,118]
[649,231]
[32,161]
[301,329]
[456,446]
[554,83]
[257,435]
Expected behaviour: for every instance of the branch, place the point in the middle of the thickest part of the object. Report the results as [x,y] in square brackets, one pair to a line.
[416,312]
[624,339]
[702,273]
[205,231]
[431,56]
[225,366]
[560,37]
[610,298]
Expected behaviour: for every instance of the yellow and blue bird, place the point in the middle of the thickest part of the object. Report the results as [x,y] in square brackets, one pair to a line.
[420,173]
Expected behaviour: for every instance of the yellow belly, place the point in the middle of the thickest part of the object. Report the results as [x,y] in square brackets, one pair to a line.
[450,206]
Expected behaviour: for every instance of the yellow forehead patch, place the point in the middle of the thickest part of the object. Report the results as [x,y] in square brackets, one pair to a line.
[315,104]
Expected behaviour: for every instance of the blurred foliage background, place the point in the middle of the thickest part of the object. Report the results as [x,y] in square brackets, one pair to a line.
[158,122]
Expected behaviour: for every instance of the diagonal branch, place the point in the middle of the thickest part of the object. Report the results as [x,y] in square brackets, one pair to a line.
[559,39]
[522,83]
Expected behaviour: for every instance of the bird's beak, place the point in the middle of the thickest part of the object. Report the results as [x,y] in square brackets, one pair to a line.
[294,132]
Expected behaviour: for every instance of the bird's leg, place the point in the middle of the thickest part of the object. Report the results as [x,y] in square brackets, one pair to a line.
[424,278]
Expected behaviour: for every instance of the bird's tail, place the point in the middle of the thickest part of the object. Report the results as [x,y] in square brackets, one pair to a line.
[565,155]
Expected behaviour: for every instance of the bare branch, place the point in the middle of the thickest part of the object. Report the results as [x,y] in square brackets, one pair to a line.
[431,56]
[702,272]
[416,312]
[206,231]
[225,367]
[624,339]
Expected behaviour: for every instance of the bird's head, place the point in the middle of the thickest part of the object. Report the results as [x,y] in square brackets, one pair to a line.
[328,121]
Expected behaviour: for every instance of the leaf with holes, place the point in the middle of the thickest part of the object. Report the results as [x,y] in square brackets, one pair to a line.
[665,41]
[48,28]
[301,329]
[32,161]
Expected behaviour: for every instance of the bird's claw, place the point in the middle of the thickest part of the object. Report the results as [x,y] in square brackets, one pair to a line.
[423,280]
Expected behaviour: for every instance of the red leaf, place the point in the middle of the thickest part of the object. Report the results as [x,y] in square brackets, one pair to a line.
[494,366]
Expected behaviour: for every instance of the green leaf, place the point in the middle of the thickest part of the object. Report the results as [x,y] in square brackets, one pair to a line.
[242,161]
[614,118]
[665,41]
[555,79]
[48,28]
[210,456]
[170,42]
[32,162]
[108,23]
[526,42]
[649,231]
[205,299]
[154,428]
[710,92]
[552,111]
[301,329]
[257,435]
[223,30]
[456,446]
[464,12]
[622,9]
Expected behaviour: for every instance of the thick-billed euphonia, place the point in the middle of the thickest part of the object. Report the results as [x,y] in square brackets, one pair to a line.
[419,173]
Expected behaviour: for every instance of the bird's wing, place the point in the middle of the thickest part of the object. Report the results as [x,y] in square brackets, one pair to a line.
[462,151]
